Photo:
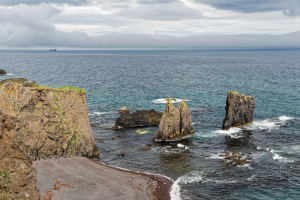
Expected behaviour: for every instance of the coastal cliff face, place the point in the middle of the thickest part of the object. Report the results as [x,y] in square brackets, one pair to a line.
[137,119]
[239,110]
[175,122]
[50,122]
[17,175]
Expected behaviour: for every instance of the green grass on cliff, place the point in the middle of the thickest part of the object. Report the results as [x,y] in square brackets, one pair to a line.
[63,89]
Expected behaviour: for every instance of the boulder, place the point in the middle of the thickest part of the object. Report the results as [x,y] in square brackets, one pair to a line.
[30,84]
[239,110]
[2,72]
[138,119]
[175,122]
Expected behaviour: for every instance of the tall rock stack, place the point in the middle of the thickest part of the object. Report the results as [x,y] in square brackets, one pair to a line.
[239,110]
[175,123]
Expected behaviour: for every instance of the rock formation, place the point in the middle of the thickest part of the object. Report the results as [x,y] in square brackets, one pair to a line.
[124,110]
[175,122]
[239,110]
[39,122]
[2,72]
[17,175]
[137,119]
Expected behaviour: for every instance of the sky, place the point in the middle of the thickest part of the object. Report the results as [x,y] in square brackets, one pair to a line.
[150,24]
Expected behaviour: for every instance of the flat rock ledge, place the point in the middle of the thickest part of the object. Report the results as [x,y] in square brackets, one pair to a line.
[80,178]
[239,110]
[175,123]
[140,118]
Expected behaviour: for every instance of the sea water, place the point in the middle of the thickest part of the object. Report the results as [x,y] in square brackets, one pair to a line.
[143,79]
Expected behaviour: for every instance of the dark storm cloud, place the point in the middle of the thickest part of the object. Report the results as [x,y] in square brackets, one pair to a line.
[36,2]
[288,7]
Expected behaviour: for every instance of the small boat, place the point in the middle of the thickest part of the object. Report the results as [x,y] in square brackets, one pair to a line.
[52,49]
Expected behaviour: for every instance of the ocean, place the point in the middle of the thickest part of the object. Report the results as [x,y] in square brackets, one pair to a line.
[143,79]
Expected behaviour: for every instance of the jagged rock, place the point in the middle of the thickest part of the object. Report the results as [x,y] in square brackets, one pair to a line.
[124,110]
[14,80]
[138,119]
[239,110]
[175,122]
[52,122]
[2,72]
[17,175]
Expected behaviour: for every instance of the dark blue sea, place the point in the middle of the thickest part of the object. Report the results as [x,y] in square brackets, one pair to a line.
[143,79]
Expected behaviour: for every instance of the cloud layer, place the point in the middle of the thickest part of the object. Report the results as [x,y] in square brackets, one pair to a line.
[149,24]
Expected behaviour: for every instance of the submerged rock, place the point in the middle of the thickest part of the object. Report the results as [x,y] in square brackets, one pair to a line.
[140,118]
[175,122]
[239,110]
[2,72]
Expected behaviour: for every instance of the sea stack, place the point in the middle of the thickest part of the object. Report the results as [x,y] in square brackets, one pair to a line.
[239,110]
[139,118]
[2,72]
[175,123]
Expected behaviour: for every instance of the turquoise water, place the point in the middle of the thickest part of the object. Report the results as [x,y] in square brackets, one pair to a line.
[142,79]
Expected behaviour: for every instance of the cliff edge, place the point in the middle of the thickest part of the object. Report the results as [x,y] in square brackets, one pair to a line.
[39,122]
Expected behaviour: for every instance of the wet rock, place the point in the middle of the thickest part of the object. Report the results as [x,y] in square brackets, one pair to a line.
[124,110]
[138,119]
[239,110]
[121,154]
[175,122]
[233,159]
[2,72]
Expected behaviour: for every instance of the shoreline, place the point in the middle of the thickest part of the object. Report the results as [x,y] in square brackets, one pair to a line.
[164,183]
[86,178]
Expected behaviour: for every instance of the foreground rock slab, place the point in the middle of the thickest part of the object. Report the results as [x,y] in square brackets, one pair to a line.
[137,119]
[175,122]
[239,110]
[81,178]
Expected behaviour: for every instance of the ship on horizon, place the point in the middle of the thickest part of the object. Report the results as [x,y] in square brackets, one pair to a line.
[52,49]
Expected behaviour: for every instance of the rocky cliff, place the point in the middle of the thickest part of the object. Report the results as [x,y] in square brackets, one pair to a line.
[17,175]
[175,123]
[51,122]
[239,110]
[137,119]
[39,122]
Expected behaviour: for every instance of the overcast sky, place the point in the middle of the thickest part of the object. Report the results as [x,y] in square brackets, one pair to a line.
[149,23]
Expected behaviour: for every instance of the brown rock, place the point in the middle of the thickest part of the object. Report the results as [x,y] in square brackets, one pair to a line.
[239,110]
[29,84]
[138,119]
[17,175]
[175,122]
[52,122]
[2,72]
[124,110]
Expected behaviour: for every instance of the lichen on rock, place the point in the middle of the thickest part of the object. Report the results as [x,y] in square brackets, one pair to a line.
[175,122]
[239,110]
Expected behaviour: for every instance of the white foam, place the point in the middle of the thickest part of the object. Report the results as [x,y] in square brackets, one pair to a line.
[282,159]
[9,74]
[285,118]
[232,132]
[251,178]
[164,100]
[180,145]
[258,148]
[215,156]
[102,113]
